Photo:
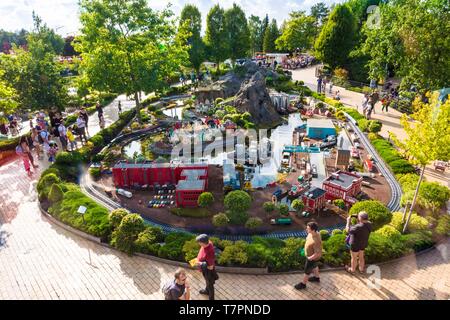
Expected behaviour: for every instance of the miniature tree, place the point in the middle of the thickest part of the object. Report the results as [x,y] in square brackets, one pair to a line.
[428,138]
[283,209]
[269,206]
[253,223]
[205,199]
[298,205]
[237,201]
[56,194]
[220,220]
[339,203]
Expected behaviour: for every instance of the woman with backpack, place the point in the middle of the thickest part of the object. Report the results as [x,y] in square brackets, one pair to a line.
[36,142]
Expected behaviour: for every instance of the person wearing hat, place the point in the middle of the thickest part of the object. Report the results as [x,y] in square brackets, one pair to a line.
[206,260]
[358,240]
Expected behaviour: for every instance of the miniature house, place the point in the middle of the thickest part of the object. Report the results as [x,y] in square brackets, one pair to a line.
[320,128]
[191,180]
[342,185]
[314,199]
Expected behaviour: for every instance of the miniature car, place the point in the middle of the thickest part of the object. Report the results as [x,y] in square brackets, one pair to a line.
[314,171]
[124,193]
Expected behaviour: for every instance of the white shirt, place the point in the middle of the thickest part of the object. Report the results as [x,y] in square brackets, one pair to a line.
[81,123]
[62,130]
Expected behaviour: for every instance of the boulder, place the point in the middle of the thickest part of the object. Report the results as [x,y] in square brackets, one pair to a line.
[253,97]
[227,86]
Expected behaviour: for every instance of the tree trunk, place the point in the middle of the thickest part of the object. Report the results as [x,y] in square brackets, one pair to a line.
[138,107]
[405,227]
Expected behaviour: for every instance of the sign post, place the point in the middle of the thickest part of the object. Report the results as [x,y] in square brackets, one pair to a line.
[82,211]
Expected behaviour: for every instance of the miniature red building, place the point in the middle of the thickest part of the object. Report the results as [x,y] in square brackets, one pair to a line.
[314,199]
[191,180]
[342,185]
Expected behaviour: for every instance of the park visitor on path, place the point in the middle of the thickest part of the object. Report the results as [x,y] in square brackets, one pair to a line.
[313,253]
[62,131]
[358,239]
[36,142]
[85,117]
[81,128]
[206,260]
[177,289]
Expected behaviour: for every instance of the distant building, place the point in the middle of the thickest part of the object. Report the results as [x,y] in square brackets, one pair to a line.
[342,185]
[190,179]
[314,199]
[320,128]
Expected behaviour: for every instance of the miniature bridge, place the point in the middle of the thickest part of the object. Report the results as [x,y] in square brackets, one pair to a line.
[296,149]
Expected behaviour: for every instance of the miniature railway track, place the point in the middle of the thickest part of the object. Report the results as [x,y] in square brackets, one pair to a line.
[394,203]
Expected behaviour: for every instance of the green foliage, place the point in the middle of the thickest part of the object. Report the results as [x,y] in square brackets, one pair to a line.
[337,37]
[45,183]
[216,35]
[418,241]
[270,36]
[256,31]
[388,232]
[340,203]
[173,248]
[95,221]
[237,217]
[238,35]
[324,234]
[253,223]
[205,199]
[375,126]
[408,181]
[443,225]
[220,220]
[147,240]
[95,173]
[392,157]
[288,257]
[363,124]
[191,22]
[235,254]
[283,209]
[383,248]
[190,250]
[56,194]
[298,32]
[434,195]
[373,136]
[191,212]
[268,206]
[124,237]
[336,231]
[379,215]
[335,250]
[116,216]
[237,201]
[298,205]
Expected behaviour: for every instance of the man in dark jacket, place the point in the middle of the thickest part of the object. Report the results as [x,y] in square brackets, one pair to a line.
[206,260]
[359,239]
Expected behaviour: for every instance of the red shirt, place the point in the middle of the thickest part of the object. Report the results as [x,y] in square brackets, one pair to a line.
[207,254]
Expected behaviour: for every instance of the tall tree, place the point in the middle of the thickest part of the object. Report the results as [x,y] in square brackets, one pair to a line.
[428,137]
[216,35]
[49,37]
[337,37]
[255,26]
[191,23]
[34,73]
[128,47]
[298,32]
[320,13]
[412,36]
[270,36]
[238,35]
[8,101]
[68,49]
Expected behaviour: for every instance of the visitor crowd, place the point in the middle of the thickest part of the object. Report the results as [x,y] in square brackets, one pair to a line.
[296,62]
[47,138]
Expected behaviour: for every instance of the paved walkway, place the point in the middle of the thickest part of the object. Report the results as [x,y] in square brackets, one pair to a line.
[390,120]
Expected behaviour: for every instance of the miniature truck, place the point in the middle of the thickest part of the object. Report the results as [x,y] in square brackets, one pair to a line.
[281,221]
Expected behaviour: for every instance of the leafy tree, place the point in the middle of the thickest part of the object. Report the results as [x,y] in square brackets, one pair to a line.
[253,223]
[283,209]
[379,215]
[298,32]
[216,35]
[8,101]
[255,27]
[410,40]
[51,40]
[298,205]
[68,49]
[191,23]
[220,220]
[428,137]
[116,216]
[238,35]
[237,201]
[56,194]
[319,12]
[269,206]
[205,199]
[7,39]
[337,37]
[126,234]
[128,47]
[270,36]
[340,203]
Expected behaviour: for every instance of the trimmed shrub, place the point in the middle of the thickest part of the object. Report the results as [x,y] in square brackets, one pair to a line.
[336,252]
[237,201]
[298,205]
[283,209]
[288,257]
[56,194]
[388,231]
[382,248]
[95,173]
[253,223]
[434,194]
[363,124]
[116,216]
[409,181]
[336,231]
[235,254]
[375,126]
[416,223]
[44,185]
[220,220]
[372,136]
[68,158]
[418,241]
[401,166]
[190,250]
[237,217]
[173,247]
[379,215]
[147,241]
[124,237]
[268,206]
[340,203]
[324,234]
[205,199]
[443,225]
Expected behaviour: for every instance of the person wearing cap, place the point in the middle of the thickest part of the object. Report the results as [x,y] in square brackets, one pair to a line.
[206,260]
[358,241]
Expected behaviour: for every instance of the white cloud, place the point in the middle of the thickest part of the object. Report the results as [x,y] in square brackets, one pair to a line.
[63,14]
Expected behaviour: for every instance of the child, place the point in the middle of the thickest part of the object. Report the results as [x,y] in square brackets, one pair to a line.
[52,151]
[26,160]
[71,138]
[101,120]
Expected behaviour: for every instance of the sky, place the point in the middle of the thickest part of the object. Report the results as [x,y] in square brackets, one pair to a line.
[62,15]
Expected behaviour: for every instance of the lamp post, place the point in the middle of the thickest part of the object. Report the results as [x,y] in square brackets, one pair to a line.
[82,211]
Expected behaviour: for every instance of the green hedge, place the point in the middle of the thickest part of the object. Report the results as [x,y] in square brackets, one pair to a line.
[392,157]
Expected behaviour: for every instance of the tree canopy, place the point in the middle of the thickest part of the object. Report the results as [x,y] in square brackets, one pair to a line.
[270,36]
[191,23]
[216,34]
[238,35]
[298,32]
[256,31]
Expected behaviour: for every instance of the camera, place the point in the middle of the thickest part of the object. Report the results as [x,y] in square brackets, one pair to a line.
[354,216]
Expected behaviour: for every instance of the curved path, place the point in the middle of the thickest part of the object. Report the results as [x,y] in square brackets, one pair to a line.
[40,260]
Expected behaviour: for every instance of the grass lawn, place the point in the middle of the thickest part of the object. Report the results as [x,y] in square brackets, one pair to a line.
[192,212]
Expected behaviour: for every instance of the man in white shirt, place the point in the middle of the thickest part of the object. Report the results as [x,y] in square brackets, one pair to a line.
[81,125]
[63,135]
